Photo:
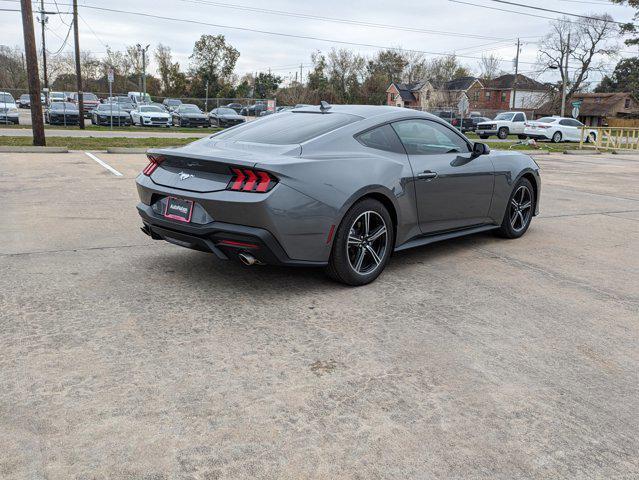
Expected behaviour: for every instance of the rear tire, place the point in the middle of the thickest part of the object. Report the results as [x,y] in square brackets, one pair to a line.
[556,137]
[522,137]
[483,137]
[362,245]
[519,211]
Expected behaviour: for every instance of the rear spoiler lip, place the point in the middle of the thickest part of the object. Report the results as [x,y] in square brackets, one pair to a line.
[170,152]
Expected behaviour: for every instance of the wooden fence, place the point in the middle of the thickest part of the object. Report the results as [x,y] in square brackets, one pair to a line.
[610,138]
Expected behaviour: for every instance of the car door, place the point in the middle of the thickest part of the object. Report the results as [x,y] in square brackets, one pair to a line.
[453,187]
[569,131]
[519,121]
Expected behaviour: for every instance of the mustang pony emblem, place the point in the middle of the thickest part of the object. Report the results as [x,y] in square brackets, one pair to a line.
[184,176]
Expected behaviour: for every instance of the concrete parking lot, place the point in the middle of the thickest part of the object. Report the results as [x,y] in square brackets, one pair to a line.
[125,358]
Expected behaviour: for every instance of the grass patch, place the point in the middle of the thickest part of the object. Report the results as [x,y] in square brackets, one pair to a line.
[98,143]
[132,128]
[541,146]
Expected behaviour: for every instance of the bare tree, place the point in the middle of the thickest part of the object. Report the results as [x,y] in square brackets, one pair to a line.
[345,71]
[13,73]
[416,68]
[591,45]
[490,66]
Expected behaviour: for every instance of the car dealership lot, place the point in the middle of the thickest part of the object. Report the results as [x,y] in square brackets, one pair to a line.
[477,358]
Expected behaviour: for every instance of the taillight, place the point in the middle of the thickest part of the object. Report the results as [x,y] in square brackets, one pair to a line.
[455,122]
[249,180]
[154,162]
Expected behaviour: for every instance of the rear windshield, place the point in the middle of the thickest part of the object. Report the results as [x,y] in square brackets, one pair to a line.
[288,128]
[546,120]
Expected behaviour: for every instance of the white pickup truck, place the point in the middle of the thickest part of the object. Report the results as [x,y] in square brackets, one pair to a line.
[504,124]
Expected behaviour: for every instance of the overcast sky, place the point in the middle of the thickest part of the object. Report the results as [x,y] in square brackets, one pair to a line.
[260,51]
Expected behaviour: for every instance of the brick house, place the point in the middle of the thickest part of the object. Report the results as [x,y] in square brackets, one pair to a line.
[498,93]
[420,95]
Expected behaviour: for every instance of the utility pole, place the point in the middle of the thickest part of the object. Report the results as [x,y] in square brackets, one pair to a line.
[43,21]
[144,50]
[516,76]
[78,72]
[37,124]
[565,79]
[301,77]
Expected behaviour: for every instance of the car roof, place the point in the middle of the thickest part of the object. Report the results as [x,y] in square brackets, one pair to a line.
[369,111]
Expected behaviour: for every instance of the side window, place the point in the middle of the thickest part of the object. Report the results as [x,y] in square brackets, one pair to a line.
[519,118]
[426,137]
[566,123]
[381,138]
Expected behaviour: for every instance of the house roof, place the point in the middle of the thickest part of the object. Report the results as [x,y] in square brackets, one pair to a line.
[462,83]
[406,89]
[523,83]
[600,104]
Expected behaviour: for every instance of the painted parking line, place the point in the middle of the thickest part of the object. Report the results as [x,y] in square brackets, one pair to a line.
[104,164]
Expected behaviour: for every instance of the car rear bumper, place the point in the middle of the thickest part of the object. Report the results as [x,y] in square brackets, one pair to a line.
[224,240]
[291,227]
[537,135]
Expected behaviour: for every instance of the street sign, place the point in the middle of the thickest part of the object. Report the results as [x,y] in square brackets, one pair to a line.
[575,112]
[270,105]
[110,75]
[463,105]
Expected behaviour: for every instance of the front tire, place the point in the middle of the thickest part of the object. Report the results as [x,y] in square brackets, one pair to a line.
[502,133]
[362,245]
[519,212]
[484,137]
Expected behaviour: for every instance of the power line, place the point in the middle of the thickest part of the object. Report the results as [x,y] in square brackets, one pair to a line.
[279,34]
[509,11]
[340,20]
[587,17]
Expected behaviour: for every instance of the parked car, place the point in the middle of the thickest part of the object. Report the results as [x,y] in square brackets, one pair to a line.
[150,116]
[469,124]
[62,113]
[57,97]
[225,117]
[24,101]
[340,187]
[253,110]
[8,109]
[171,103]
[108,114]
[189,115]
[160,106]
[559,129]
[125,103]
[504,124]
[139,98]
[236,106]
[89,101]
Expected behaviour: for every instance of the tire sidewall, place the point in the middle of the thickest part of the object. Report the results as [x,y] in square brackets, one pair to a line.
[502,133]
[339,267]
[556,137]
[506,229]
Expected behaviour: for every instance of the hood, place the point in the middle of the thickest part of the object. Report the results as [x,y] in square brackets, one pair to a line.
[8,105]
[193,115]
[231,117]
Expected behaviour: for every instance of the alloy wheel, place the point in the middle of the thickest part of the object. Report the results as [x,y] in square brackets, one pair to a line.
[520,208]
[367,242]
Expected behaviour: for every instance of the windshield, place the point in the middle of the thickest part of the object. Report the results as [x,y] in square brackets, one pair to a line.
[6,98]
[123,100]
[173,102]
[63,106]
[225,111]
[505,116]
[546,120]
[57,95]
[189,109]
[90,96]
[150,109]
[288,128]
[24,96]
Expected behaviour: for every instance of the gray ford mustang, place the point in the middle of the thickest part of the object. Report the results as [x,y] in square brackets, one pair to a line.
[341,187]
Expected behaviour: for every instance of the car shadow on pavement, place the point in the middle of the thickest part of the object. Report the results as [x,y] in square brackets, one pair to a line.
[203,270]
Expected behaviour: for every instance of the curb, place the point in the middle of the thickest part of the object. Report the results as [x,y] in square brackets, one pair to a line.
[33,149]
[582,152]
[126,150]
[534,152]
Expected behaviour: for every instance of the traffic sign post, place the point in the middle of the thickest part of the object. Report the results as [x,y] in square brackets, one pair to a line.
[462,106]
[575,108]
[110,78]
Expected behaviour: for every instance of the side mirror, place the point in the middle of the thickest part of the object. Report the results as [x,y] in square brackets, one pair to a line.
[480,149]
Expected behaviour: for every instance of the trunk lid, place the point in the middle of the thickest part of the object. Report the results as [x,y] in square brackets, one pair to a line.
[205,165]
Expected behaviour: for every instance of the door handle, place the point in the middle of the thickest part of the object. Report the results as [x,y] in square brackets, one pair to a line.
[427,175]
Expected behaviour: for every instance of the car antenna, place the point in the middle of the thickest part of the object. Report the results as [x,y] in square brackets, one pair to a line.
[324,106]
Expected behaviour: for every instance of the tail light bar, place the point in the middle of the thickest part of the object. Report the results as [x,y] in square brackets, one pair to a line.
[154,162]
[249,180]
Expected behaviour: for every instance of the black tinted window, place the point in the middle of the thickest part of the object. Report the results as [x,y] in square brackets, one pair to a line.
[288,128]
[382,138]
[425,137]
[519,117]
